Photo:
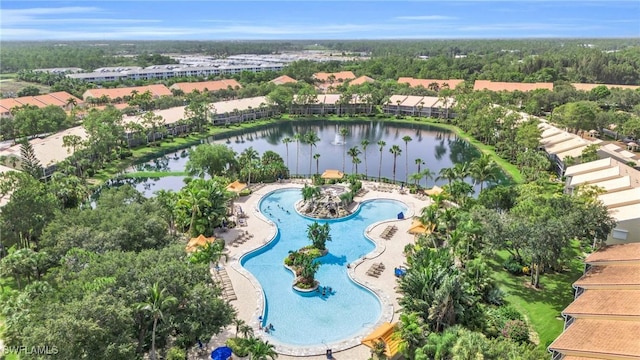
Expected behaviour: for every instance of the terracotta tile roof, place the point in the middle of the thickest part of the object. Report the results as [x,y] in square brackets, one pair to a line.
[215,85]
[284,79]
[57,98]
[606,303]
[339,77]
[30,100]
[610,277]
[588,87]
[619,254]
[608,339]
[452,83]
[361,80]
[156,90]
[9,103]
[508,86]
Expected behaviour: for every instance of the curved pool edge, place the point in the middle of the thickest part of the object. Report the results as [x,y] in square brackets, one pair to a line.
[386,303]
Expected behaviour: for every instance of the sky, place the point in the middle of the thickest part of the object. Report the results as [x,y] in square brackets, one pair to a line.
[300,19]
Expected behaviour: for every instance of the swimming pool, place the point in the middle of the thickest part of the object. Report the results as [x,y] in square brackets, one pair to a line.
[313,319]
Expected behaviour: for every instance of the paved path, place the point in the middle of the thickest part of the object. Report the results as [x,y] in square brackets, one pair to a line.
[249,294]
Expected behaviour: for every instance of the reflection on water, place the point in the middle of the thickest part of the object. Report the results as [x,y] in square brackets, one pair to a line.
[430,144]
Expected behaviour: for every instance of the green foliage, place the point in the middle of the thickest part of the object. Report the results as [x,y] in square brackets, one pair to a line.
[72,315]
[245,192]
[211,159]
[513,266]
[122,220]
[176,353]
[516,330]
[29,91]
[239,346]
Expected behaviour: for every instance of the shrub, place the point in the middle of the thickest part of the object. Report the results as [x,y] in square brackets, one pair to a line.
[516,330]
[508,312]
[513,266]
[176,353]
[245,192]
[239,346]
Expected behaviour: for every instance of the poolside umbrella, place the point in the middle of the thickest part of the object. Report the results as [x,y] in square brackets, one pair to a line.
[221,353]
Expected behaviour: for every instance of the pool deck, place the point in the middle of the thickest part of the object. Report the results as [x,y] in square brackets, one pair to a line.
[248,294]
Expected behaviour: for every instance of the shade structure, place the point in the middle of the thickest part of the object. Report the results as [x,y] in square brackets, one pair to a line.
[383,333]
[195,242]
[236,186]
[221,353]
[435,190]
[418,228]
[332,174]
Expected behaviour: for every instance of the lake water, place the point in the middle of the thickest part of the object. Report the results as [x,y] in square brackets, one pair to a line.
[438,148]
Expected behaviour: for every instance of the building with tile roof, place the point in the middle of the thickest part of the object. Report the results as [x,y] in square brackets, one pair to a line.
[211,86]
[361,80]
[156,90]
[61,98]
[604,319]
[284,79]
[328,82]
[510,86]
[434,84]
[428,106]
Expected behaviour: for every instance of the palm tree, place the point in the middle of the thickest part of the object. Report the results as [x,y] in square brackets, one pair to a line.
[317,158]
[310,192]
[297,138]
[353,153]
[415,177]
[356,160]
[246,331]
[319,234]
[406,140]
[395,151]
[286,141]
[247,157]
[157,301]
[381,145]
[427,174]
[312,139]
[238,323]
[364,143]
[259,350]
[344,132]
[461,170]
[195,200]
[448,174]
[209,253]
[483,169]
[419,162]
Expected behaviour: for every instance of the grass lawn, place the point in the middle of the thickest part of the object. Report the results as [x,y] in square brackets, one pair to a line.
[10,85]
[542,307]
[153,174]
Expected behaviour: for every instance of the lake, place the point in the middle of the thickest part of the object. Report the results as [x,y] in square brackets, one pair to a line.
[437,148]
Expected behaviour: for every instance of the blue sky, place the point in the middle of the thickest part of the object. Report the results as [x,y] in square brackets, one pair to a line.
[272,20]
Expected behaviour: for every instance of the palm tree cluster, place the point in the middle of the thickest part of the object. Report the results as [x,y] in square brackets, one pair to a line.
[246,344]
[201,206]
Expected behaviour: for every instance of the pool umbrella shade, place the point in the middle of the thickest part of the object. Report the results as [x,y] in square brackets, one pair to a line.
[221,353]
[332,174]
[236,186]
[196,242]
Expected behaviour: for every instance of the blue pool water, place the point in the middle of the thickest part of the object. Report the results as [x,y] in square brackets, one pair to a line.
[315,319]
